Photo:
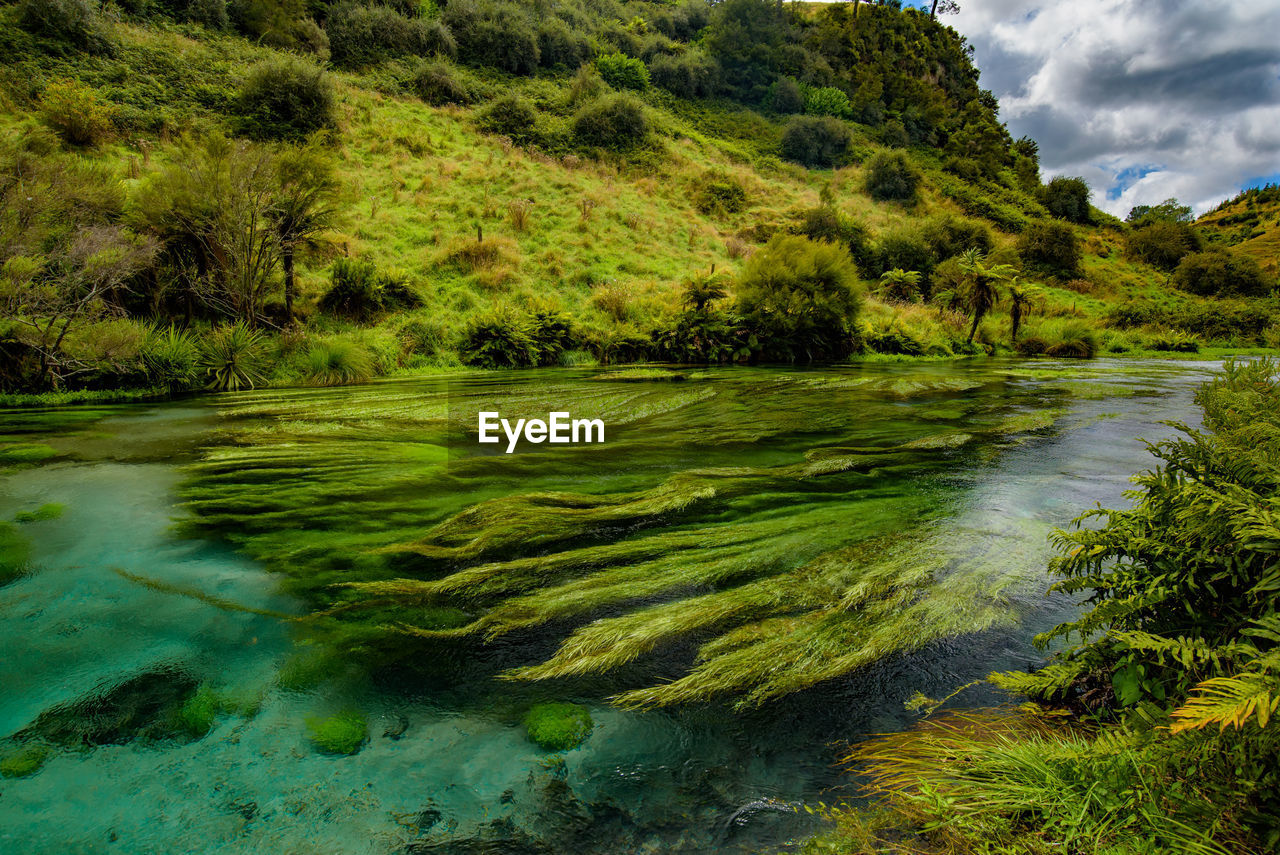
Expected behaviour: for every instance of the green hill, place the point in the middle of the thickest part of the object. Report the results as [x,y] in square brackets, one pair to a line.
[515,184]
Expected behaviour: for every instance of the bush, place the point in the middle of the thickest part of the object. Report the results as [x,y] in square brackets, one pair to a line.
[559,46]
[1051,247]
[497,35]
[691,74]
[1218,273]
[798,297]
[72,22]
[815,141]
[511,116]
[786,97]
[359,291]
[827,101]
[365,35]
[288,98]
[618,122]
[501,338]
[438,83]
[76,113]
[891,177]
[337,363]
[558,727]
[1162,243]
[1062,339]
[424,337]
[343,733]
[825,223]
[720,194]
[1067,199]
[171,358]
[949,236]
[233,358]
[905,248]
[622,72]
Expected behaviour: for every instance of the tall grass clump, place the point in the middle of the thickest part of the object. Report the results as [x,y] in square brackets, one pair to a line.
[233,358]
[337,362]
[1061,338]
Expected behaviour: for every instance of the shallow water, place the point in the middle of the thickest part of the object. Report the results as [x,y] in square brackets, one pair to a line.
[739,532]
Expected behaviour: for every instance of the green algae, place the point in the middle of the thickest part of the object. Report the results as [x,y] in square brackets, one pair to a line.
[785,523]
[343,733]
[25,761]
[48,511]
[26,453]
[558,726]
[15,554]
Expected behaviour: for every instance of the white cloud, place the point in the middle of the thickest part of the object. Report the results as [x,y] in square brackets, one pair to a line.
[1145,98]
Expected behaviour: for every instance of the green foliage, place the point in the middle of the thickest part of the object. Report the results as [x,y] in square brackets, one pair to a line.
[24,761]
[786,97]
[1220,273]
[720,194]
[501,35]
[1162,243]
[799,298]
[622,72]
[360,290]
[502,338]
[336,362]
[439,83]
[289,98]
[826,223]
[233,358]
[947,235]
[899,284]
[343,733]
[815,141]
[364,35]
[171,357]
[1168,211]
[827,101]
[199,712]
[749,40]
[558,726]
[560,46]
[1067,199]
[1051,247]
[614,121]
[689,74]
[76,113]
[511,116]
[1060,338]
[891,177]
[73,23]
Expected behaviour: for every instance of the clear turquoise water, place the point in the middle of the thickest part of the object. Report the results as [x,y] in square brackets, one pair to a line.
[447,767]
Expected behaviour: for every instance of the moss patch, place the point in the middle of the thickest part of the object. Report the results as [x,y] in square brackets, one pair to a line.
[558,727]
[343,733]
[48,511]
[25,761]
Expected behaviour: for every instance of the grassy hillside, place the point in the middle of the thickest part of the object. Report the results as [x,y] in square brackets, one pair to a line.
[1249,224]
[502,215]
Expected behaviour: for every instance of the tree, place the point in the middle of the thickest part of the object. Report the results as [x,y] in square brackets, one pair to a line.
[1168,211]
[1067,199]
[748,37]
[899,284]
[981,285]
[946,7]
[304,207]
[1021,295]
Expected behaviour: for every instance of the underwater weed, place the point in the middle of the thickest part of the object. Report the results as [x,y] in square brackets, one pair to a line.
[343,733]
[558,726]
[25,761]
[47,511]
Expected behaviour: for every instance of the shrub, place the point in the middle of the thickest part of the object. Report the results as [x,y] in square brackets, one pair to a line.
[1218,273]
[438,83]
[815,141]
[1069,338]
[618,122]
[552,334]
[798,297]
[360,290]
[561,46]
[827,101]
[558,727]
[501,338]
[208,13]
[1162,243]
[424,337]
[512,116]
[337,363]
[364,35]
[1067,199]
[76,113]
[233,358]
[827,224]
[948,236]
[904,248]
[891,177]
[718,193]
[691,74]
[497,35]
[786,97]
[622,72]
[1172,341]
[343,733]
[171,358]
[72,22]
[1052,247]
[288,98]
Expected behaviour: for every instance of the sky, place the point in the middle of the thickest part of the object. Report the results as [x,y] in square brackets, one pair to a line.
[1145,99]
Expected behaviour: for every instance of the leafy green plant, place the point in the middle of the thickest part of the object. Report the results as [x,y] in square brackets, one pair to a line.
[623,72]
[72,22]
[501,338]
[343,733]
[337,362]
[899,284]
[76,112]
[558,726]
[199,712]
[1052,247]
[171,357]
[815,141]
[891,177]
[1220,273]
[1067,199]
[511,116]
[616,121]
[439,83]
[721,194]
[233,358]
[288,98]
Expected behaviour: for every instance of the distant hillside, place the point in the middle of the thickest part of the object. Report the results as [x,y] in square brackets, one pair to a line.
[492,183]
[1249,224]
